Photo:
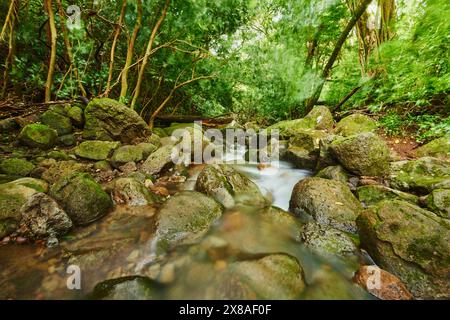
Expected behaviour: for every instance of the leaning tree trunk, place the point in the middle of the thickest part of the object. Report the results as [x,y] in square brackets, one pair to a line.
[311,102]
[51,64]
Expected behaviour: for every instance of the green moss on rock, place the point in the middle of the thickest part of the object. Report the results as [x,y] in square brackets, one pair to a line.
[38,136]
[57,121]
[373,194]
[96,150]
[439,148]
[355,124]
[16,167]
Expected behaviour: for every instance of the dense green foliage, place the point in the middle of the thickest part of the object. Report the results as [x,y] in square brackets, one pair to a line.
[261,59]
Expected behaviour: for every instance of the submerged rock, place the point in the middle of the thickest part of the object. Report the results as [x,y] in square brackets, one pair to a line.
[38,136]
[355,124]
[365,154]
[411,243]
[372,194]
[96,150]
[273,277]
[43,217]
[439,148]
[16,167]
[229,186]
[185,217]
[128,288]
[82,198]
[422,175]
[382,284]
[110,120]
[328,202]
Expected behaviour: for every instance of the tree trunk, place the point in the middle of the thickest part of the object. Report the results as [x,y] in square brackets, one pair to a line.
[137,90]
[53,36]
[311,102]
[130,51]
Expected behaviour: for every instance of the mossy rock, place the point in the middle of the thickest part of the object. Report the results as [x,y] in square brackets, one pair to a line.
[301,158]
[421,175]
[229,187]
[411,243]
[273,277]
[438,201]
[66,140]
[373,194]
[328,202]
[355,124]
[185,218]
[128,288]
[57,121]
[38,136]
[110,120]
[58,155]
[96,150]
[337,173]
[287,128]
[322,118]
[159,160]
[364,154]
[131,153]
[439,148]
[132,193]
[53,171]
[13,195]
[102,165]
[16,167]
[81,197]
[76,115]
[160,132]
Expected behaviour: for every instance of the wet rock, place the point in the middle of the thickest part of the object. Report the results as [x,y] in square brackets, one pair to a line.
[411,243]
[303,148]
[422,175]
[328,202]
[159,160]
[382,284]
[53,170]
[96,150]
[273,277]
[76,115]
[355,124]
[38,136]
[81,197]
[185,217]
[109,120]
[13,195]
[128,288]
[16,167]
[439,148]
[337,173]
[57,120]
[365,154]
[322,118]
[438,201]
[330,242]
[229,186]
[372,194]
[131,192]
[42,217]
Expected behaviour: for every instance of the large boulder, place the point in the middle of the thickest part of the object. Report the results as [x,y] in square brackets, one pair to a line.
[321,117]
[328,202]
[131,153]
[81,197]
[38,135]
[16,167]
[334,173]
[13,195]
[109,120]
[439,148]
[422,175]
[438,201]
[364,154]
[96,150]
[131,192]
[276,276]
[158,160]
[185,217]
[303,148]
[287,127]
[411,243]
[229,186]
[355,124]
[127,288]
[42,217]
[372,194]
[57,120]
[76,115]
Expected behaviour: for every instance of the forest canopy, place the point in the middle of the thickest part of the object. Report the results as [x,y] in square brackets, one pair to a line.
[264,60]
